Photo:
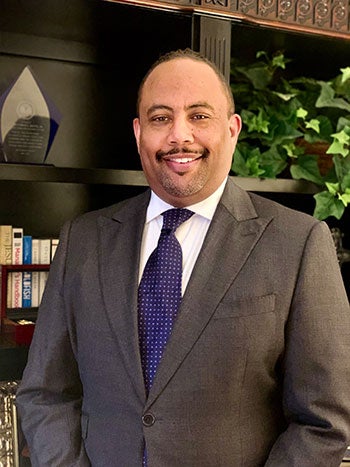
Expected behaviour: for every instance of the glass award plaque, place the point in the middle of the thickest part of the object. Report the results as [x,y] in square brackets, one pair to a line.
[28,121]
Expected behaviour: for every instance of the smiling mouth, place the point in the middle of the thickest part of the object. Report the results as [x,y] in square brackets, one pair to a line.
[182,160]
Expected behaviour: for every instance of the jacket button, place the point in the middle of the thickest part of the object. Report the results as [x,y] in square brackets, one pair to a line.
[148,419]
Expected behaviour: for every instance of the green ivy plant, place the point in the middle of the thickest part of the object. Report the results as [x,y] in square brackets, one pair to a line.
[283,117]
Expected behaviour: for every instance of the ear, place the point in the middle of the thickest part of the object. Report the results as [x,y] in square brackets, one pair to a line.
[235,126]
[136,126]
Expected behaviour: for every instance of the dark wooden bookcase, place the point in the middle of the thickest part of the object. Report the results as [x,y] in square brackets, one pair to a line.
[89,58]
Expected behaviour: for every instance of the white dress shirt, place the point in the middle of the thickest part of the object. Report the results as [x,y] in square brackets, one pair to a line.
[190,234]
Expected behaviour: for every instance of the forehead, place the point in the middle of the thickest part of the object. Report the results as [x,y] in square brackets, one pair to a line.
[183,81]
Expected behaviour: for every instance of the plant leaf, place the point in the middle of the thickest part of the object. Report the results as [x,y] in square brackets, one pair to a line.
[246,162]
[259,75]
[345,74]
[306,168]
[333,188]
[254,122]
[301,113]
[327,99]
[327,205]
[313,124]
[279,61]
[342,170]
[273,162]
[345,197]
[340,143]
[337,148]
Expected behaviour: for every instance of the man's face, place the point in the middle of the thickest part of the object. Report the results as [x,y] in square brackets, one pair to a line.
[184,133]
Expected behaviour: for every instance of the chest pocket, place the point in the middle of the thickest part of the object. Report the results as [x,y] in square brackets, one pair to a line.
[246,306]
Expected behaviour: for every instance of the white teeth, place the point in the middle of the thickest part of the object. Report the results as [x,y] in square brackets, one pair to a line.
[183,160]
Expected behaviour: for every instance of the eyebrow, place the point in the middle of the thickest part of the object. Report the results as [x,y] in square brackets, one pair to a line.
[196,105]
[155,107]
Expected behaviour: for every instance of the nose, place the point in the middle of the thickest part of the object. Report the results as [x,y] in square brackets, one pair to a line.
[181,131]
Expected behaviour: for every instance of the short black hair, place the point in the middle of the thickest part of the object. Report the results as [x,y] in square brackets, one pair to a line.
[188,53]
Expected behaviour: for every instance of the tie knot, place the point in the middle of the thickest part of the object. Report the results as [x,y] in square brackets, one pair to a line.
[173,218]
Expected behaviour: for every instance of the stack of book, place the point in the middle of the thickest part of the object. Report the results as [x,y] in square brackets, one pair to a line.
[25,287]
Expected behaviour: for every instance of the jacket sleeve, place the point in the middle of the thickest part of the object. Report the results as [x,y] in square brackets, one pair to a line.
[316,366]
[49,396]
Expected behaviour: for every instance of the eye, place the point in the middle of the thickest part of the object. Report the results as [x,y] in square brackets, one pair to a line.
[200,117]
[159,118]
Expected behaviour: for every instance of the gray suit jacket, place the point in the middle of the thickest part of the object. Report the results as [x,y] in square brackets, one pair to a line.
[257,369]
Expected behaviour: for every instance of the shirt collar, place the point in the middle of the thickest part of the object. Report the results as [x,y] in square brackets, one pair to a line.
[205,208]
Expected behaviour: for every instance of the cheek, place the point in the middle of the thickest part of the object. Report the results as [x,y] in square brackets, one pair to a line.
[147,150]
[150,142]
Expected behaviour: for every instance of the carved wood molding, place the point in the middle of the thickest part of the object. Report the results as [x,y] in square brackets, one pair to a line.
[323,17]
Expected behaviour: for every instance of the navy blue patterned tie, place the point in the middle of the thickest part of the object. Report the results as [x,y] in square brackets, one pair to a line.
[159,293]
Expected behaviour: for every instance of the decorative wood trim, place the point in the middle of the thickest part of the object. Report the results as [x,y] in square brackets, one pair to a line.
[322,17]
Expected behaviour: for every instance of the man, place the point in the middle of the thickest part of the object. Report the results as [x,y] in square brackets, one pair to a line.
[256,370]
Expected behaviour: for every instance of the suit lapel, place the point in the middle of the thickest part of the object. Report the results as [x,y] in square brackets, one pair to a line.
[120,241]
[233,233]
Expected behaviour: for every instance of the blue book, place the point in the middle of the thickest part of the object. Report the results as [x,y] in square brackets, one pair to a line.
[27,249]
[27,289]
[27,275]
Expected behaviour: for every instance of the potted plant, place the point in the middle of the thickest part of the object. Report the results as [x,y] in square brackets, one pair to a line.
[285,123]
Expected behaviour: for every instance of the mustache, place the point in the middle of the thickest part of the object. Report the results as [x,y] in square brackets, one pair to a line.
[160,154]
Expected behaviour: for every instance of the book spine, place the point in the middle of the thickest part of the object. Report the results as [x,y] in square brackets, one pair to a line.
[27,275]
[17,258]
[17,245]
[5,244]
[44,251]
[6,258]
[16,301]
[35,288]
[35,251]
[35,274]
[27,249]
[43,275]
[54,245]
[27,289]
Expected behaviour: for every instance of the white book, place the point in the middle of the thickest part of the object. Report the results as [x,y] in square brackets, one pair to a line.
[44,250]
[35,274]
[35,251]
[54,245]
[35,288]
[16,284]
[17,245]
[17,258]
[43,275]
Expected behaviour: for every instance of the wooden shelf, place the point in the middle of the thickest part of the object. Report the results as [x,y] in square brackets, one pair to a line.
[51,174]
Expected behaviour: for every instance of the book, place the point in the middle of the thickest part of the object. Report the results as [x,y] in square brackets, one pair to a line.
[44,258]
[43,275]
[27,275]
[35,288]
[44,250]
[35,251]
[27,249]
[17,258]
[5,254]
[26,289]
[5,244]
[17,245]
[54,245]
[16,286]
[35,274]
